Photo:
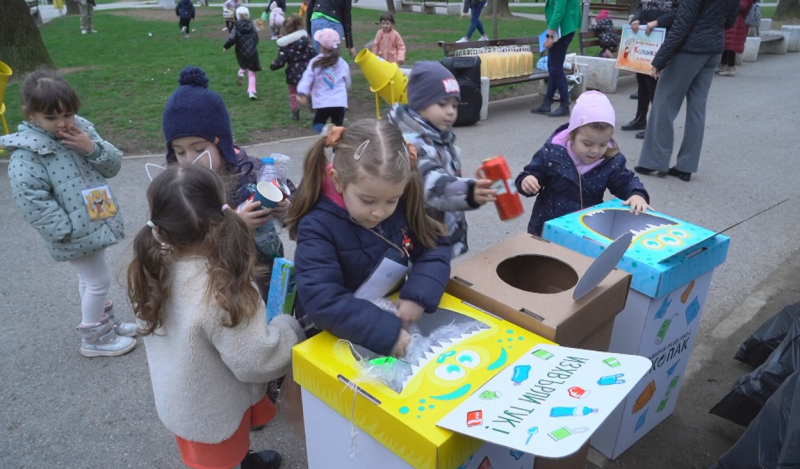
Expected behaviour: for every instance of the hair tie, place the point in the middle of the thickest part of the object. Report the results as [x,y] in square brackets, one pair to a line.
[225,207]
[412,153]
[334,136]
[156,236]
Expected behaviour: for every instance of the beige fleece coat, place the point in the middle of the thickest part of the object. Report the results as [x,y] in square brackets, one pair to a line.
[205,376]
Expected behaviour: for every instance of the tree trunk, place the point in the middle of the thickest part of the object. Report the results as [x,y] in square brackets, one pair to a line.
[787,9]
[390,6]
[502,8]
[494,20]
[22,47]
[72,8]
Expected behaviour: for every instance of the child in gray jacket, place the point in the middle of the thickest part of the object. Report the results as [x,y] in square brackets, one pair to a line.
[427,123]
[57,171]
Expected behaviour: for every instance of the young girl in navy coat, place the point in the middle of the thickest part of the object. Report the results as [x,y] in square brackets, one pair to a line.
[577,164]
[347,217]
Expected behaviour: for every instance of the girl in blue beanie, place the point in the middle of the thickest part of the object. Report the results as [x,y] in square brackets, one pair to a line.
[197,129]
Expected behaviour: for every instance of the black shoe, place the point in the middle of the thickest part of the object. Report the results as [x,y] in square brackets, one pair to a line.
[562,111]
[296,115]
[682,175]
[640,135]
[650,172]
[635,95]
[263,460]
[638,123]
[544,108]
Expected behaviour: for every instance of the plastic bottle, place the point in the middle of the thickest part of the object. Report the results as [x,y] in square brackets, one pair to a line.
[274,168]
[571,411]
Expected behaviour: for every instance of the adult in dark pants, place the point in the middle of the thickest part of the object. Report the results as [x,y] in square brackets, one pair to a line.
[564,18]
[333,14]
[735,39]
[476,6]
[650,14]
[685,66]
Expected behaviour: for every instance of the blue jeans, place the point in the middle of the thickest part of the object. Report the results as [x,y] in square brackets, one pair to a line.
[322,23]
[555,66]
[476,20]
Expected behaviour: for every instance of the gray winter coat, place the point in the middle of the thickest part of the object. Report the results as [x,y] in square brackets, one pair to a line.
[447,193]
[47,180]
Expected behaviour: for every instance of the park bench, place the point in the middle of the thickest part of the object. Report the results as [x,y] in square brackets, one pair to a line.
[451,49]
[600,73]
[451,9]
[615,12]
[588,39]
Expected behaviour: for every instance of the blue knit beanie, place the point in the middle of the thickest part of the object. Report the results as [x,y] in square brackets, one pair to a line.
[195,111]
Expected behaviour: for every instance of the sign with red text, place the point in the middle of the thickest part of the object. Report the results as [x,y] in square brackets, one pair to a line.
[637,51]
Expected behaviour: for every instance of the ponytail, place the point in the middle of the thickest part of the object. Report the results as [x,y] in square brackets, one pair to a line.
[148,279]
[231,262]
[422,225]
[314,165]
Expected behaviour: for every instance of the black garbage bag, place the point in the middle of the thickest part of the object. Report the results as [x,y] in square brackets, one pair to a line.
[751,391]
[755,350]
[773,439]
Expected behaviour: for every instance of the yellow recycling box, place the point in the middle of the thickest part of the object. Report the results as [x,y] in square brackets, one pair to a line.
[404,420]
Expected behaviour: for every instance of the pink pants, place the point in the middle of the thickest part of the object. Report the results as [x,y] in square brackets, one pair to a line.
[293,97]
[251,80]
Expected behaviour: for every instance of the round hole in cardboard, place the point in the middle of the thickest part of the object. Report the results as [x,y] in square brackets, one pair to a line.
[537,274]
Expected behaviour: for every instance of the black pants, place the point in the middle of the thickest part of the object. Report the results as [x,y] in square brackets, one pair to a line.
[335,114]
[185,22]
[647,89]
[229,25]
[729,58]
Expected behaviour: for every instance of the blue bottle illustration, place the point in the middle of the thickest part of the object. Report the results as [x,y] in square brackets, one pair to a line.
[521,373]
[611,379]
[641,420]
[663,309]
[672,368]
[571,411]
[692,310]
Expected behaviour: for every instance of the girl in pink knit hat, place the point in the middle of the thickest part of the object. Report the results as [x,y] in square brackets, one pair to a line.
[577,164]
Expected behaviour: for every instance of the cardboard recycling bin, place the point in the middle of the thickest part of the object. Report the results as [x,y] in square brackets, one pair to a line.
[530,282]
[514,379]
[672,263]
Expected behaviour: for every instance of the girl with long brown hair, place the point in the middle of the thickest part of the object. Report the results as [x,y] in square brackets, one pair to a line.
[209,348]
[365,209]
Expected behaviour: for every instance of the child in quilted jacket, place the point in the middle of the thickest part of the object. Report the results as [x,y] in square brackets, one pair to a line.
[578,163]
[245,38]
[388,44]
[294,52]
[606,34]
[58,170]
[427,122]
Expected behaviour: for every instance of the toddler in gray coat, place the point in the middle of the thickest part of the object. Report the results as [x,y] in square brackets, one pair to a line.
[58,172]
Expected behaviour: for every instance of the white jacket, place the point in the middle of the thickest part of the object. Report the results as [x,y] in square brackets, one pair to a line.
[205,376]
[276,17]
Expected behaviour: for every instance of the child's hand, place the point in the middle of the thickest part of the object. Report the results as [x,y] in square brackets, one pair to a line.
[531,185]
[483,191]
[301,98]
[353,52]
[463,15]
[254,216]
[409,311]
[400,348]
[77,139]
[638,204]
[281,210]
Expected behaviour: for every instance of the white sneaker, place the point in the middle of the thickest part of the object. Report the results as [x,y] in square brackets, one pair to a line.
[240,79]
[100,340]
[463,39]
[93,30]
[484,38]
[274,38]
[183,30]
[84,31]
[225,28]
[251,95]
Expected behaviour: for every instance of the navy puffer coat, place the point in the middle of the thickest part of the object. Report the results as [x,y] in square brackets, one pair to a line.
[564,191]
[245,37]
[334,256]
[698,29]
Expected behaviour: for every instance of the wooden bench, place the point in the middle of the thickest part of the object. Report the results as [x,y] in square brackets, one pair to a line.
[449,48]
[451,9]
[590,10]
[588,39]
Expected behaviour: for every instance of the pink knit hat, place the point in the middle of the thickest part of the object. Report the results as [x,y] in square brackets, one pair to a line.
[603,15]
[592,106]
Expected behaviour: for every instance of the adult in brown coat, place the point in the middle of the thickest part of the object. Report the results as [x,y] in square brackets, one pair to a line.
[734,40]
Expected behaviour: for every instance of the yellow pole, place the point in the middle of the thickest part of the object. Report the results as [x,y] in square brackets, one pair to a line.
[378,106]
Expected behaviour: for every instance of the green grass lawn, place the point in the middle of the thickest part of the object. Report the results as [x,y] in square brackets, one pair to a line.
[124,76]
[767,12]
